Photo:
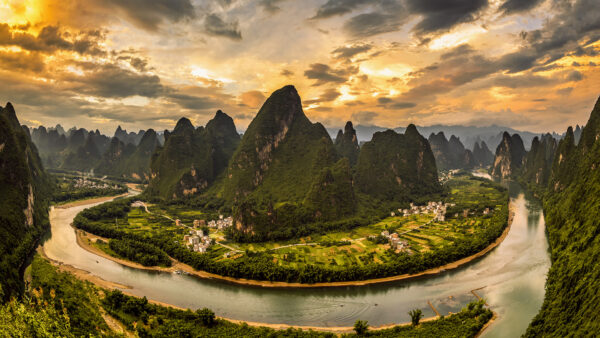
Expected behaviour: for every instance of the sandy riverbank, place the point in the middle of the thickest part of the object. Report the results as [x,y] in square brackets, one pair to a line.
[88,201]
[84,238]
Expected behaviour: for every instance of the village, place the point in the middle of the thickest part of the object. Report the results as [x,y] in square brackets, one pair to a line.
[198,239]
[438,209]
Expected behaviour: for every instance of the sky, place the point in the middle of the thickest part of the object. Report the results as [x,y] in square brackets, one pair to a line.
[528,64]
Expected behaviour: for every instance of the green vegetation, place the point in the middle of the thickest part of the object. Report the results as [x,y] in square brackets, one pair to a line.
[537,164]
[79,299]
[383,171]
[340,254]
[143,253]
[192,159]
[415,316]
[509,157]
[572,211]
[451,154]
[25,191]
[361,327]
[71,187]
[346,144]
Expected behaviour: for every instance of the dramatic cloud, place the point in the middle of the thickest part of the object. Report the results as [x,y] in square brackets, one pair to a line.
[347,52]
[216,26]
[323,74]
[112,81]
[518,6]
[151,14]
[441,15]
[327,96]
[51,39]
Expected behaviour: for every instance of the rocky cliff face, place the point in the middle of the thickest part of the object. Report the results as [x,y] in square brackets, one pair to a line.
[25,191]
[397,167]
[346,144]
[509,156]
[192,159]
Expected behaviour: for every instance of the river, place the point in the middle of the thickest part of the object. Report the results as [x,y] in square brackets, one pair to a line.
[511,278]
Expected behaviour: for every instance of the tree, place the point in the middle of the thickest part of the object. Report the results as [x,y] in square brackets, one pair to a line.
[206,317]
[415,316]
[361,327]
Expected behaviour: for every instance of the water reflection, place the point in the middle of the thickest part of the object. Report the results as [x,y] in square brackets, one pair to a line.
[511,278]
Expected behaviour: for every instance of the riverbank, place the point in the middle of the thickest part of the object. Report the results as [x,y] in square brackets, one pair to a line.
[87,201]
[84,239]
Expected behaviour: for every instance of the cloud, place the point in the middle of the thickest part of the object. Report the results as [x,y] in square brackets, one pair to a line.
[523,81]
[338,7]
[323,74]
[440,16]
[150,15]
[393,104]
[22,62]
[364,117]
[347,52]
[214,25]
[327,96]
[286,73]
[192,102]
[574,76]
[518,6]
[253,98]
[112,81]
[270,6]
[51,39]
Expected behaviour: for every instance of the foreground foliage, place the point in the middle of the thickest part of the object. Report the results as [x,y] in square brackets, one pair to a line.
[572,211]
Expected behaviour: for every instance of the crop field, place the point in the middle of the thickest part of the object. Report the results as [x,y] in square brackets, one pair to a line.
[354,247]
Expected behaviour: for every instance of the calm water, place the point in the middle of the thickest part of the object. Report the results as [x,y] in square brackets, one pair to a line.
[511,278]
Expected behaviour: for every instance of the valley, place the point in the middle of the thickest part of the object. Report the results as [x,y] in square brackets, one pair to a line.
[400,245]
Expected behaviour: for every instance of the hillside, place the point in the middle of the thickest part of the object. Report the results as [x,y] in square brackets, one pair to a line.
[482,155]
[346,143]
[537,164]
[192,159]
[127,160]
[24,197]
[450,154]
[572,212]
[397,167]
[509,156]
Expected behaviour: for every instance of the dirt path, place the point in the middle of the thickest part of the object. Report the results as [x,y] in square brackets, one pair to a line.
[88,201]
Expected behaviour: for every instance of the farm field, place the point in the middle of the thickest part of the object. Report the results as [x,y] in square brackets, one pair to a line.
[360,246]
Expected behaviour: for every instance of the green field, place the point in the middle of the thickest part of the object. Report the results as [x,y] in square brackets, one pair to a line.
[341,248]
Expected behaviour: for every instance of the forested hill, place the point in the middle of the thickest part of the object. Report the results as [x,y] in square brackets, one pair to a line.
[24,197]
[572,212]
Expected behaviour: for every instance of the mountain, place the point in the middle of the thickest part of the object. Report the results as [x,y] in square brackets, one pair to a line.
[572,214]
[469,135]
[25,191]
[450,154]
[509,156]
[281,154]
[346,143]
[537,164]
[192,159]
[127,160]
[83,158]
[482,155]
[397,167]
[285,172]
[131,137]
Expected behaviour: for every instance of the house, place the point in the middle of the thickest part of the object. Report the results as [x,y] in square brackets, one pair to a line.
[385,233]
[392,214]
[486,211]
[466,213]
[394,235]
[137,204]
[200,233]
[178,222]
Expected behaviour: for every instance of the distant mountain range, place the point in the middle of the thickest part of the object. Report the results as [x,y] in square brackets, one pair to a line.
[468,135]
